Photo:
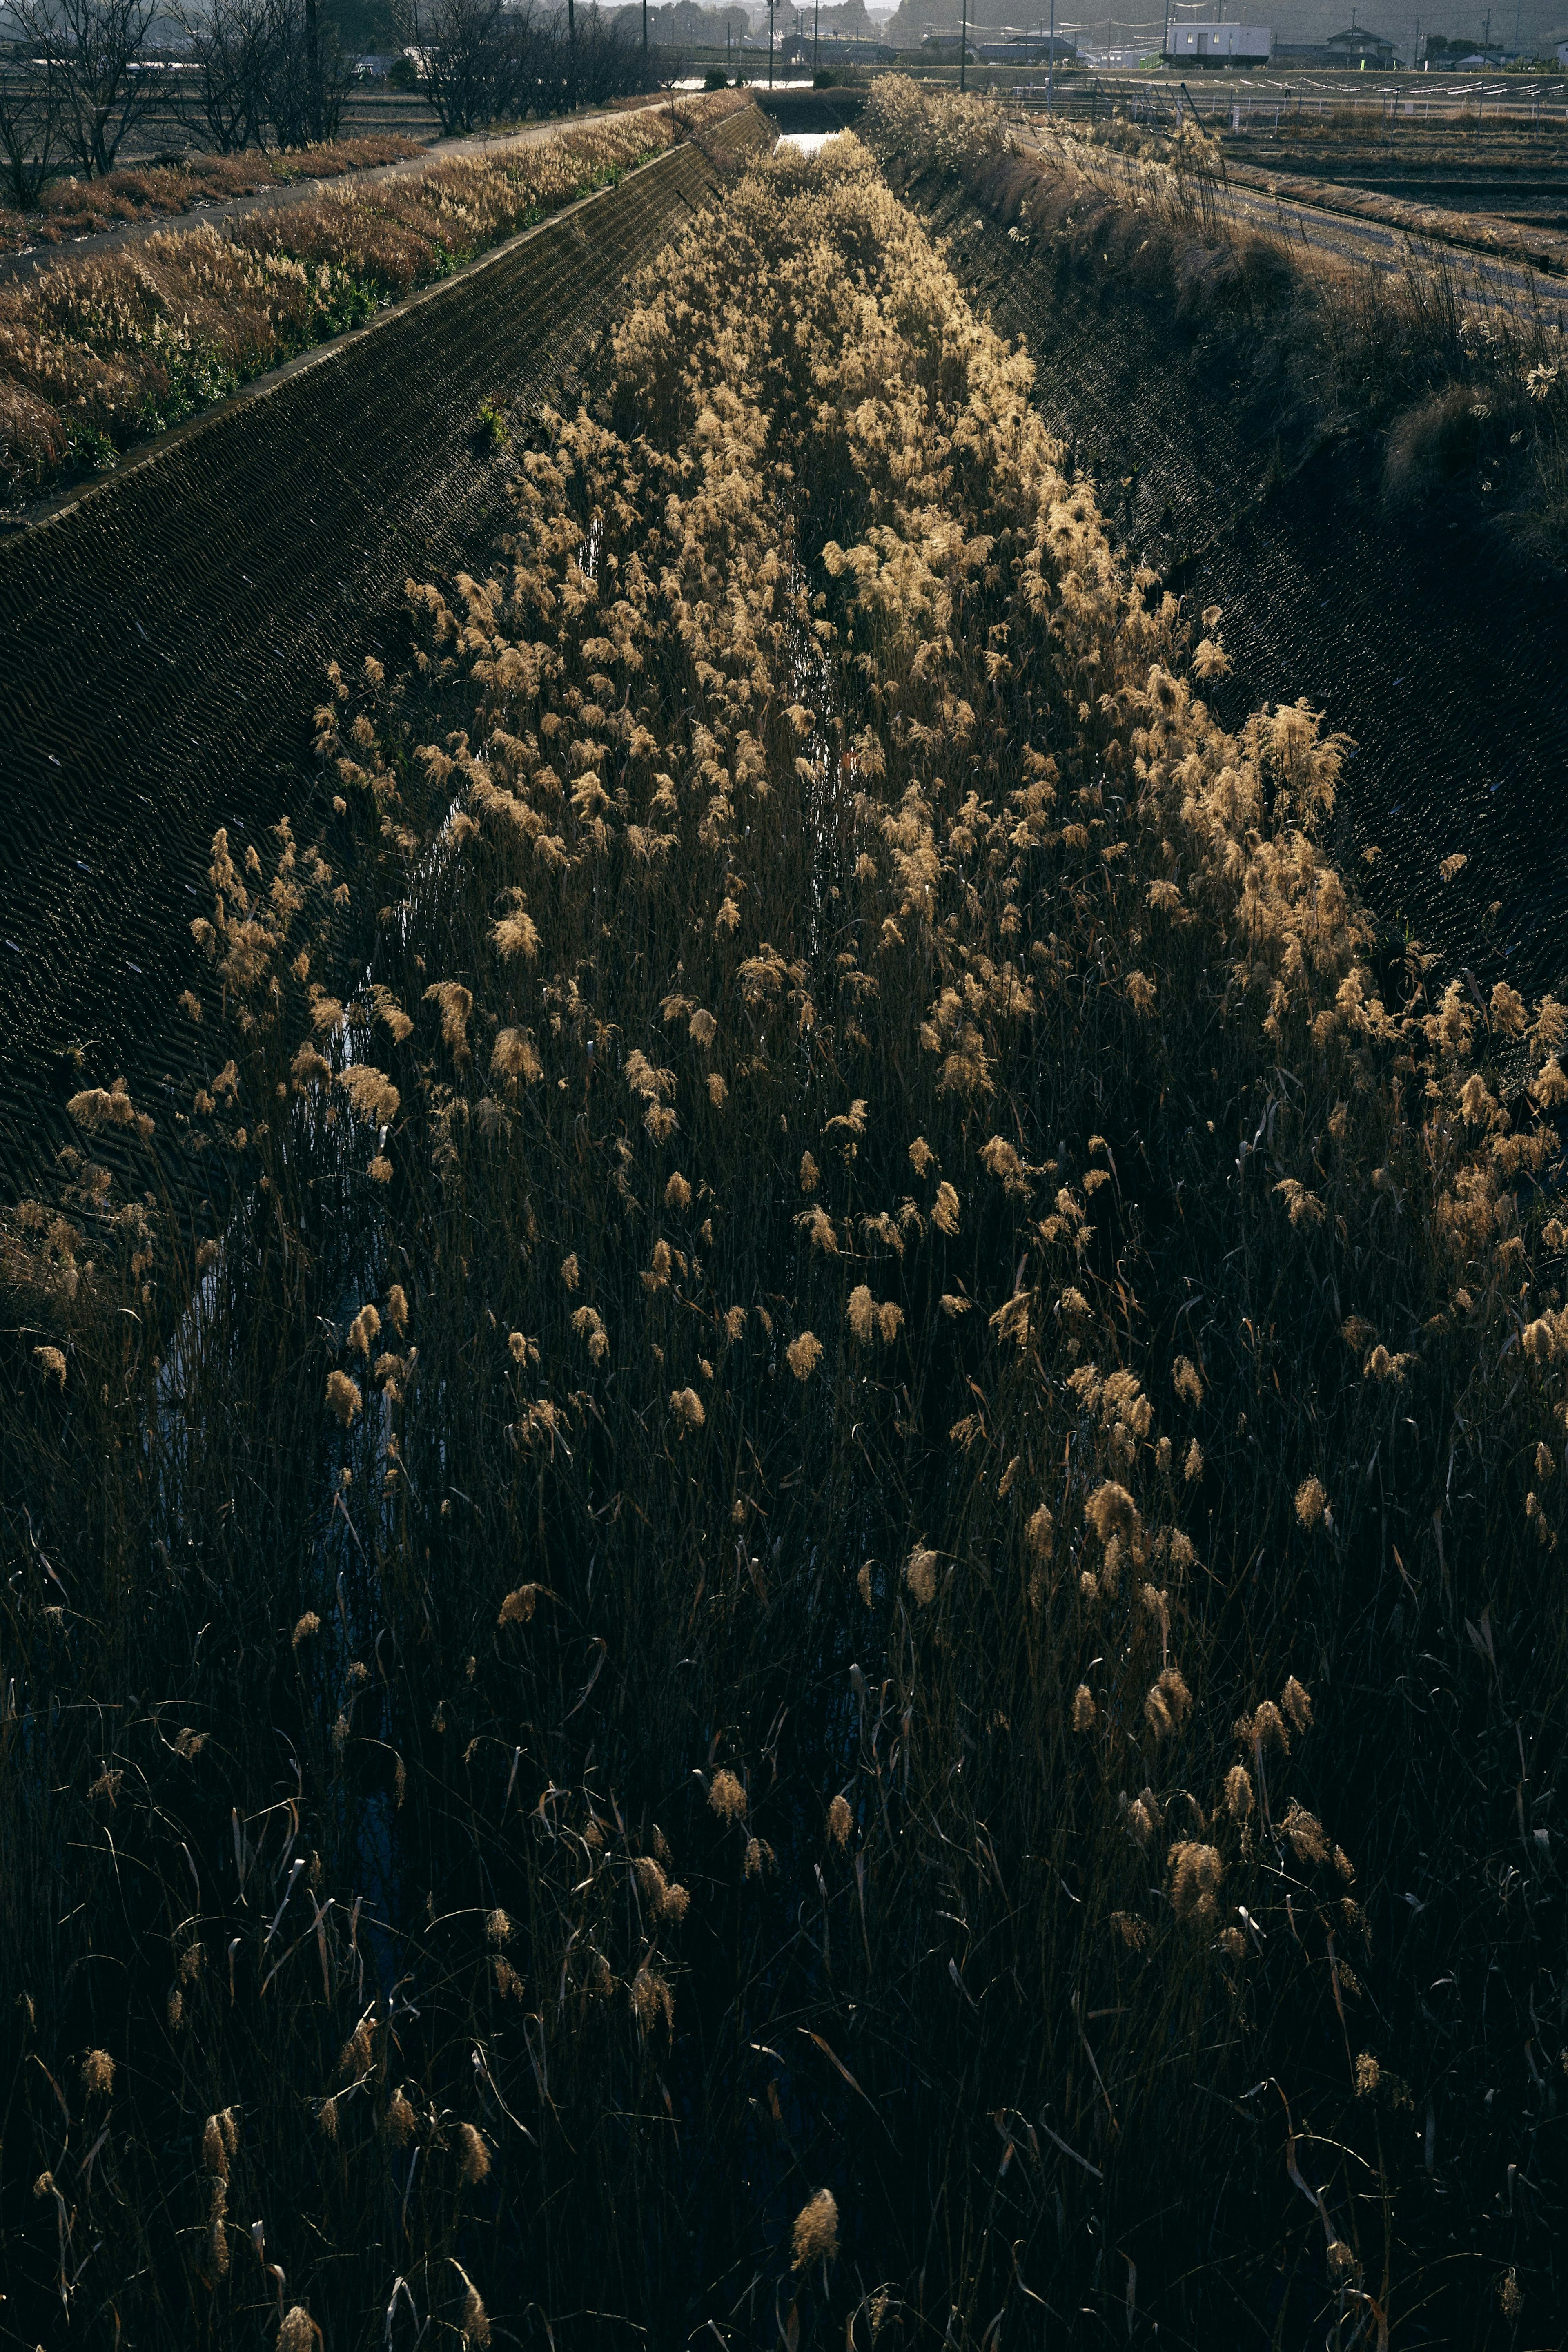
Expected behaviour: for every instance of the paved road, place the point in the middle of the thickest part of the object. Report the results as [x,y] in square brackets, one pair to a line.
[1500,285]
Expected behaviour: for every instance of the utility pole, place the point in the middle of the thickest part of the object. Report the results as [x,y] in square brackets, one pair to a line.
[1051,61]
[770,8]
[817,39]
[964,50]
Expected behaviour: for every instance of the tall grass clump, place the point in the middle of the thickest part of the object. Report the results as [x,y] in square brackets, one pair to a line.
[832,1608]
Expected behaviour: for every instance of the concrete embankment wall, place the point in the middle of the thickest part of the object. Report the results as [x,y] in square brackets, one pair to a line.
[1420,634]
[163,637]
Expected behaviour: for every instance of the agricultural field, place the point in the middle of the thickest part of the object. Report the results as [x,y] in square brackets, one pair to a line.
[1505,164]
[73,208]
[783,1567]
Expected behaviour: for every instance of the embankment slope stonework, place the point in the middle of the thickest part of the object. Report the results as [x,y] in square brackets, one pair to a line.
[166,632]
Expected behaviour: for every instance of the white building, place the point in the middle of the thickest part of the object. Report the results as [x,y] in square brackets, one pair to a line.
[1220,45]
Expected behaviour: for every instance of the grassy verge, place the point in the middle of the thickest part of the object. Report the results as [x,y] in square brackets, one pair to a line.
[836,1613]
[73,208]
[97,354]
[1469,407]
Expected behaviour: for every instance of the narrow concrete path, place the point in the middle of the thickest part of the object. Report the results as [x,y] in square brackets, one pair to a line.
[1488,284]
[215,215]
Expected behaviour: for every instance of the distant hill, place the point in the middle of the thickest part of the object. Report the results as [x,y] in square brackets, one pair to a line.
[913,18]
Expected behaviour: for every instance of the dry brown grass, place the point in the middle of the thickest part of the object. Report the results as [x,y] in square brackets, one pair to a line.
[73,208]
[837,1607]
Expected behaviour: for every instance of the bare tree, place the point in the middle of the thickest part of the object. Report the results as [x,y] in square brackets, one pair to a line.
[92,52]
[234,45]
[581,56]
[482,61]
[268,71]
[475,58]
[607,62]
[29,132]
[308,76]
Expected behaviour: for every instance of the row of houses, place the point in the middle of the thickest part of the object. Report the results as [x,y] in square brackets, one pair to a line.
[1191,46]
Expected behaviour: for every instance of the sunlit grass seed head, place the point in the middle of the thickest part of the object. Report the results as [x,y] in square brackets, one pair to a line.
[1297,1704]
[1305,1833]
[1185,1381]
[920,1576]
[1312,1502]
[815,2235]
[1196,1874]
[688,1409]
[653,2002]
[97,2072]
[365,1331]
[727,1795]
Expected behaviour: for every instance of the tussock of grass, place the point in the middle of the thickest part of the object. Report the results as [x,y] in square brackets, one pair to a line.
[97,354]
[839,1608]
